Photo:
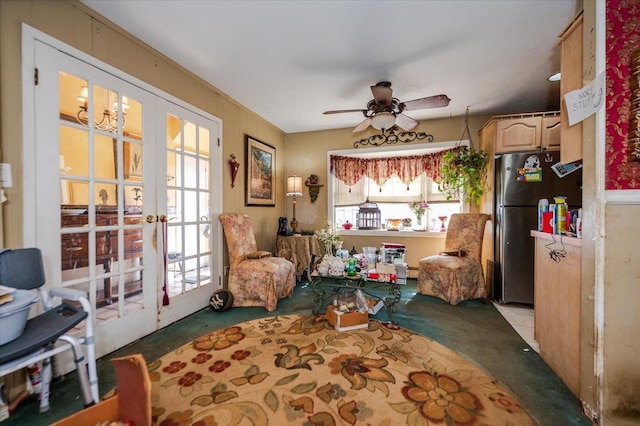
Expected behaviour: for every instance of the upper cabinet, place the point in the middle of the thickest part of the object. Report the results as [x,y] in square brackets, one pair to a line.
[570,42]
[527,132]
[518,134]
[550,138]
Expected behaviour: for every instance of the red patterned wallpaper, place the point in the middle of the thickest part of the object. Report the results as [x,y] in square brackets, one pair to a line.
[623,38]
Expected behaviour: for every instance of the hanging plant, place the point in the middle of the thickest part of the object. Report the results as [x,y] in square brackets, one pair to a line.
[464,170]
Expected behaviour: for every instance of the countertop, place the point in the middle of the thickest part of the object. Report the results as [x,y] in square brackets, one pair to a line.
[570,241]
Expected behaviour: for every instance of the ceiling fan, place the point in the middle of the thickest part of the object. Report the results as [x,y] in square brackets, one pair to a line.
[384,111]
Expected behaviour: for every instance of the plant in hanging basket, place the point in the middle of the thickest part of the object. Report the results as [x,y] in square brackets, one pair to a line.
[464,170]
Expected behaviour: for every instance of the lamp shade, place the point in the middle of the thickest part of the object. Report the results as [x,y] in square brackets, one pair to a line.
[84,94]
[294,186]
[383,120]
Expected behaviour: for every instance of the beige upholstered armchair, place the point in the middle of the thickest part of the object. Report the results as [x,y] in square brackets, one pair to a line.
[255,278]
[455,278]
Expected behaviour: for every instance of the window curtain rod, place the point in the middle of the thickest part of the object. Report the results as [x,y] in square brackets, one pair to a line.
[351,169]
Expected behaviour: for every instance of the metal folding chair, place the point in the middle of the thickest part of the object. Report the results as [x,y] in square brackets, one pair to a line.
[46,335]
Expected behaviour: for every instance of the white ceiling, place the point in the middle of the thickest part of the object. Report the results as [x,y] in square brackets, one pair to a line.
[289,61]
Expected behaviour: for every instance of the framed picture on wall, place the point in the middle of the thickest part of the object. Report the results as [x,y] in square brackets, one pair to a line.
[261,169]
[132,161]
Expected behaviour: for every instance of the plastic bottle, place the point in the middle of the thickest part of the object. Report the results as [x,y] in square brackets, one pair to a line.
[543,206]
[561,214]
[35,376]
[579,224]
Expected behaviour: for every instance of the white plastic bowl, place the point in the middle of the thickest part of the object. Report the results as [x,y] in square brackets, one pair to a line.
[14,315]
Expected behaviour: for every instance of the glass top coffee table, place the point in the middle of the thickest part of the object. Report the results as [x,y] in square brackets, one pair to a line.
[325,287]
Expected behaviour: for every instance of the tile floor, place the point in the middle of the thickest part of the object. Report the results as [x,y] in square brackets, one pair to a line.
[521,319]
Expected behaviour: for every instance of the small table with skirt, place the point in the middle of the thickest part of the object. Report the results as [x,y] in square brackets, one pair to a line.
[305,247]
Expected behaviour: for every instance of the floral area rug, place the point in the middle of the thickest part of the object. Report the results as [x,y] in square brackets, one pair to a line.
[298,370]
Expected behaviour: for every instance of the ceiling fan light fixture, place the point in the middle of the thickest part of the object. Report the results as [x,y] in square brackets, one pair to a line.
[383,120]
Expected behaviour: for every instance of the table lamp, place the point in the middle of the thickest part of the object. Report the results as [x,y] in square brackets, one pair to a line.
[294,189]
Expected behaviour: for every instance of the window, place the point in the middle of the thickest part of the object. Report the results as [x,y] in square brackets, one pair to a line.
[394,196]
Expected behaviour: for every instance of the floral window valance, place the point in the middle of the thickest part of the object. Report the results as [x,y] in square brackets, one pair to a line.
[351,169]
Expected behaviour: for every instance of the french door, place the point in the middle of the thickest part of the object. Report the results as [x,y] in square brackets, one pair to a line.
[190,197]
[122,190]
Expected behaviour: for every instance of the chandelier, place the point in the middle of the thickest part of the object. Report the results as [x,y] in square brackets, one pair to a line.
[392,136]
[109,120]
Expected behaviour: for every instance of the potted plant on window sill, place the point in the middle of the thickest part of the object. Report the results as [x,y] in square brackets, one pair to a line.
[464,170]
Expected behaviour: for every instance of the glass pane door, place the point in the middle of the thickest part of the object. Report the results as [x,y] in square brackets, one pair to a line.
[189,145]
[103,245]
[101,207]
[100,177]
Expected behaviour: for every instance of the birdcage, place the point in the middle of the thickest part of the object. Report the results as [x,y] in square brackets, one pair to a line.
[369,216]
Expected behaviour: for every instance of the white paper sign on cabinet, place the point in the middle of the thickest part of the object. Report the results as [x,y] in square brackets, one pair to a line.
[584,102]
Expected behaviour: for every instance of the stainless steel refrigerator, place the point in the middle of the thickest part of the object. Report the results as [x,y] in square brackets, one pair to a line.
[518,188]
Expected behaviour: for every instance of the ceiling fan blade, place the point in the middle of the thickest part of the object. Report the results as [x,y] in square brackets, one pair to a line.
[436,101]
[362,126]
[382,94]
[340,111]
[407,123]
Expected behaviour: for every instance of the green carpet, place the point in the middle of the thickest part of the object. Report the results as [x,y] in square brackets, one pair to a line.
[475,330]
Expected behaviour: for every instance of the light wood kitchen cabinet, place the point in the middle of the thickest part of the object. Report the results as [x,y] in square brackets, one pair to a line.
[518,134]
[527,132]
[550,137]
[557,303]
[571,68]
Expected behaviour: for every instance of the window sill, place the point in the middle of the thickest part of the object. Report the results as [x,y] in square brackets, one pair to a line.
[395,234]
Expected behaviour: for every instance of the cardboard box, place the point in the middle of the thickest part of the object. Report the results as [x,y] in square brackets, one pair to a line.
[347,321]
[375,305]
[103,411]
[392,252]
[401,270]
[132,403]
[386,268]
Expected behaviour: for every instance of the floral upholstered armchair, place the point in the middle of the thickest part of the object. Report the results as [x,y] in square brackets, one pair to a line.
[457,275]
[255,278]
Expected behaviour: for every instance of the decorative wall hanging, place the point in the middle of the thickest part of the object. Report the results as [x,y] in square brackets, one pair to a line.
[392,137]
[234,165]
[314,187]
[261,166]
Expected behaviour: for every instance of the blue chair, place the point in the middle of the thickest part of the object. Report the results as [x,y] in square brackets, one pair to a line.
[45,335]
